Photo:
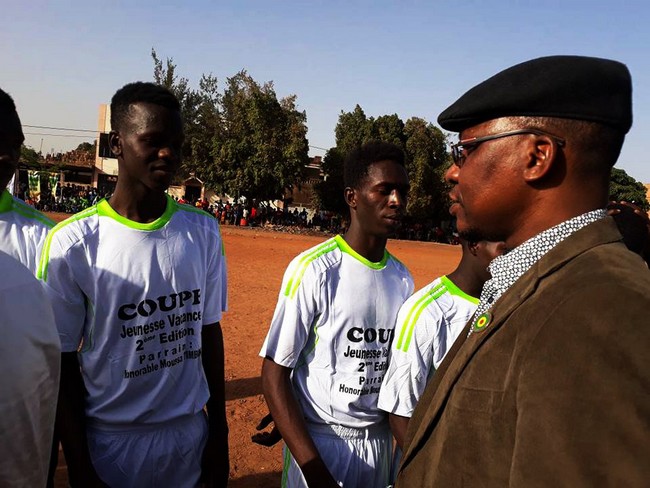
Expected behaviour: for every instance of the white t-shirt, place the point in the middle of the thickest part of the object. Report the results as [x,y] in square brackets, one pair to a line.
[22,230]
[333,324]
[138,295]
[30,356]
[427,325]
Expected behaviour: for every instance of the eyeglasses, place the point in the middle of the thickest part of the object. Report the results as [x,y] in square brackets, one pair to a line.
[459,151]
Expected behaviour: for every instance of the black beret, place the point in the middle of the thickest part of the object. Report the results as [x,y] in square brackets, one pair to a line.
[570,87]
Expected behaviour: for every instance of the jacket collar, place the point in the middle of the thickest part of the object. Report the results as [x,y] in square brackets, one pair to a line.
[598,233]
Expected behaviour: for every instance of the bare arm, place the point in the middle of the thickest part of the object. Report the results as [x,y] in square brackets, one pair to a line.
[216,464]
[289,420]
[71,426]
[398,426]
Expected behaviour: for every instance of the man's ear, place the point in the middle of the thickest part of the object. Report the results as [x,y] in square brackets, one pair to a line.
[543,153]
[115,143]
[350,197]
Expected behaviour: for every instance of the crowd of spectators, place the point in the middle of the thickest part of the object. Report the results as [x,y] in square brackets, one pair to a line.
[71,198]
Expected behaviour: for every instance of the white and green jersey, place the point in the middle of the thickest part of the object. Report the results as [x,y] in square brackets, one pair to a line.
[22,230]
[427,325]
[333,324]
[136,297]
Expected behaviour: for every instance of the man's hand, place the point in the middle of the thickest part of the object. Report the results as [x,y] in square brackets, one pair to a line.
[267,439]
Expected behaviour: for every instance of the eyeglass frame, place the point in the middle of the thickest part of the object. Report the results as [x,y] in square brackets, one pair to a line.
[457,148]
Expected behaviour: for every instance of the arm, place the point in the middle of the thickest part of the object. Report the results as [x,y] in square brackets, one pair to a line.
[289,420]
[70,425]
[398,426]
[216,465]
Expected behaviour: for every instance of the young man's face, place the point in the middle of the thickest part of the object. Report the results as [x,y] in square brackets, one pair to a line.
[380,201]
[148,146]
[11,138]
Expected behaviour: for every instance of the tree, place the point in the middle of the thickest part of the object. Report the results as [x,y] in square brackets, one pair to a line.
[244,142]
[426,160]
[623,187]
[426,152]
[352,130]
[199,110]
[29,157]
[328,194]
[261,148]
[388,128]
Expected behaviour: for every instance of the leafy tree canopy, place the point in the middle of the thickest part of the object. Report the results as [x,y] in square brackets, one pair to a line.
[426,159]
[29,156]
[623,187]
[244,141]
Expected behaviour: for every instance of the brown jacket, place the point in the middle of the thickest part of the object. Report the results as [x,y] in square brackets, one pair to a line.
[555,391]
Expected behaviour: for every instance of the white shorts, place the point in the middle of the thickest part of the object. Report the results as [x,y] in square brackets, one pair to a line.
[149,456]
[354,457]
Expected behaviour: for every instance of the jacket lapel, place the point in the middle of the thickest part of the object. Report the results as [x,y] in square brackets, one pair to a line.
[439,389]
[465,350]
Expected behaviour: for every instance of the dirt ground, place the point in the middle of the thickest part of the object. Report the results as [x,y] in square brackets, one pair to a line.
[256,262]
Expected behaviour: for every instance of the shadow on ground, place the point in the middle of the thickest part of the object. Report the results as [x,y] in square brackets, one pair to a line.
[243,388]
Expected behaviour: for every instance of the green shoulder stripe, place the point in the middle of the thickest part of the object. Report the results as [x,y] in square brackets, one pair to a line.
[303,263]
[189,208]
[454,290]
[31,213]
[406,332]
[45,256]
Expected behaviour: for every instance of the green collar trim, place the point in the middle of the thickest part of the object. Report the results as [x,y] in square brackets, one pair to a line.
[454,290]
[345,247]
[6,201]
[105,210]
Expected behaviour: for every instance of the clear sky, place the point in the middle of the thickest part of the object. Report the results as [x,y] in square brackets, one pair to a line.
[413,58]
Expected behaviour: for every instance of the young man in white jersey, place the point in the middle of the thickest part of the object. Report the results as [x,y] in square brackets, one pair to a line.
[30,352]
[139,283]
[326,351]
[427,325]
[22,228]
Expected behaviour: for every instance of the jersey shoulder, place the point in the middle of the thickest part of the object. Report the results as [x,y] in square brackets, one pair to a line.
[424,307]
[315,261]
[196,217]
[63,236]
[30,214]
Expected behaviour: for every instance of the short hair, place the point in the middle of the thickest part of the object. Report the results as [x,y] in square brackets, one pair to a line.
[139,92]
[355,168]
[598,145]
[6,102]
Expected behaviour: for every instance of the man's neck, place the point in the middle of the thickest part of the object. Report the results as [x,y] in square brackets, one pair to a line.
[370,247]
[467,281]
[139,206]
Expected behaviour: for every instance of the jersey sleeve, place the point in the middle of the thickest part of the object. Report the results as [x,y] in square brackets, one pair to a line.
[294,315]
[411,359]
[67,299]
[216,283]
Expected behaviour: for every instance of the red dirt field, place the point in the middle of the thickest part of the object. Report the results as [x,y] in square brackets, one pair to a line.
[256,262]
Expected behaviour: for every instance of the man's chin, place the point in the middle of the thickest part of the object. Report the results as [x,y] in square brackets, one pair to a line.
[474,234]
[471,235]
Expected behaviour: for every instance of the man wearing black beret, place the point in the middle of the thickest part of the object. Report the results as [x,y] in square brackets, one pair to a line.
[549,384]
